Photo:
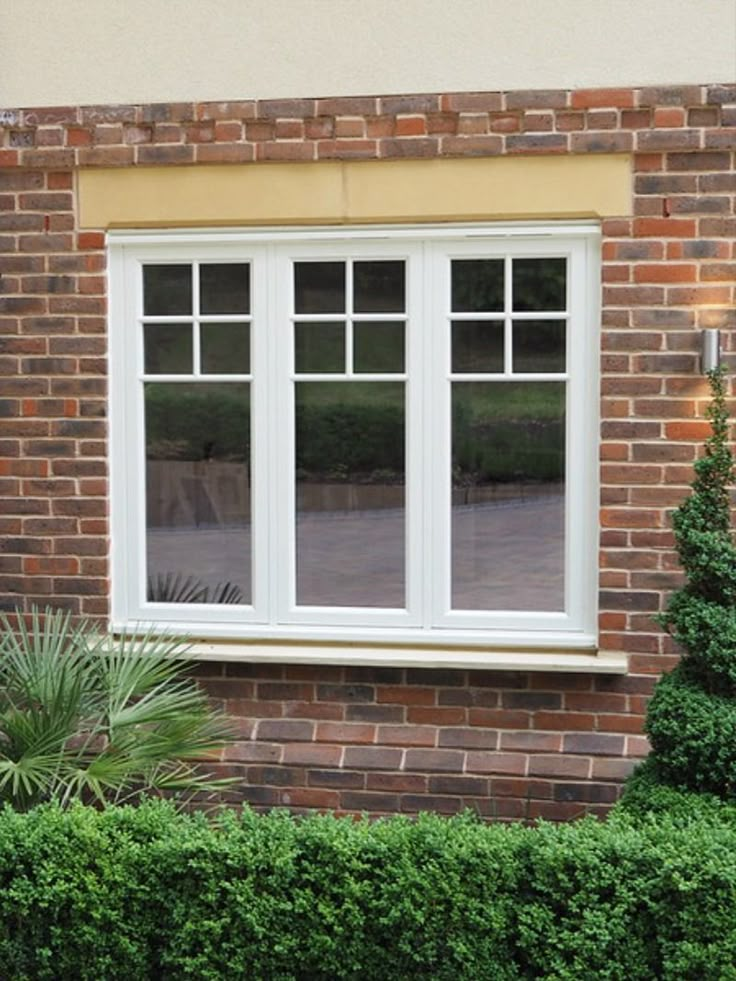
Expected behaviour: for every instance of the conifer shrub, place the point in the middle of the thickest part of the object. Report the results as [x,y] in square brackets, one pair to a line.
[691,719]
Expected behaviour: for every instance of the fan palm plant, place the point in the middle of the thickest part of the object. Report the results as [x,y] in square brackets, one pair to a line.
[84,716]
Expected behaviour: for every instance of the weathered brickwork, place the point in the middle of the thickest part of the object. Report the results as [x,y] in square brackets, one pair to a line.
[384,740]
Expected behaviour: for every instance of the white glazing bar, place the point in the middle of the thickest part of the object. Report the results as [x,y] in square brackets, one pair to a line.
[196,337]
[508,327]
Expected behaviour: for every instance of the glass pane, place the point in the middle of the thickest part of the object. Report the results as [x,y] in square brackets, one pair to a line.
[167,349]
[539,345]
[508,495]
[224,287]
[477,345]
[378,287]
[378,346]
[539,284]
[350,472]
[198,493]
[319,347]
[477,285]
[167,290]
[225,349]
[319,287]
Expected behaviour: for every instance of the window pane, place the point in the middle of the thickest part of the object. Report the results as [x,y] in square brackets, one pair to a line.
[350,494]
[378,346]
[539,284]
[508,496]
[224,287]
[378,287]
[198,512]
[225,349]
[319,287]
[539,345]
[167,290]
[477,345]
[477,285]
[167,349]
[319,347]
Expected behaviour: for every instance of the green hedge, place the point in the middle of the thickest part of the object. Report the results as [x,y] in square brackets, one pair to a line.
[148,893]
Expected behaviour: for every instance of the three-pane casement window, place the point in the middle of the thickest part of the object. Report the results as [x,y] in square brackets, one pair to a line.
[375,435]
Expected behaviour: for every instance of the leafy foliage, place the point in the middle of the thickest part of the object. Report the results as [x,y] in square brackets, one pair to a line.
[691,719]
[86,717]
[148,893]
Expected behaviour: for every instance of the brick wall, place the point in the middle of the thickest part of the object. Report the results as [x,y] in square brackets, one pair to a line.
[509,744]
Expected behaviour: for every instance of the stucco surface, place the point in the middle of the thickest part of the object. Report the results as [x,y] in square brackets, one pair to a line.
[103,51]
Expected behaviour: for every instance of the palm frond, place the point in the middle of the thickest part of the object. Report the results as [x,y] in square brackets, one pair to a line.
[86,716]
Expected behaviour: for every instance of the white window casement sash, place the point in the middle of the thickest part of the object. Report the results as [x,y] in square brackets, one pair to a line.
[274,616]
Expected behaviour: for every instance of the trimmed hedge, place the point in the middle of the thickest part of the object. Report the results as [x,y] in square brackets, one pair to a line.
[148,893]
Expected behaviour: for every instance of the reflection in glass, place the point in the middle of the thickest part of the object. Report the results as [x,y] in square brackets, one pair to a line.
[198,493]
[508,489]
[378,286]
[477,285]
[539,284]
[350,500]
[225,349]
[167,349]
[319,287]
[319,347]
[477,345]
[167,290]
[378,346]
[224,287]
[539,345]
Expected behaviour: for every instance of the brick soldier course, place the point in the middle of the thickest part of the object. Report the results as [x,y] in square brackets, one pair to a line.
[510,744]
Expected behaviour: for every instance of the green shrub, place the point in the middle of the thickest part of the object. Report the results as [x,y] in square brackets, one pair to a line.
[691,719]
[647,794]
[149,893]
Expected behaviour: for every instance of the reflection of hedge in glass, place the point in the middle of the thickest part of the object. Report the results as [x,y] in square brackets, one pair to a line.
[198,422]
[350,431]
[508,432]
[513,432]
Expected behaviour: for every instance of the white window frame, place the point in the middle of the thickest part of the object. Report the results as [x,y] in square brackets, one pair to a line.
[427,625]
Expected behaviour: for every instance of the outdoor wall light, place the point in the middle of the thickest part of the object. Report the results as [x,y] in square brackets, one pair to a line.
[710,354]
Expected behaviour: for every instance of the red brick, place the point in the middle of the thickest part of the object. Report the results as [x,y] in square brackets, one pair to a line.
[406,695]
[338,732]
[665,273]
[595,98]
[312,754]
[559,766]
[665,228]
[409,735]
[411,126]
[422,715]
[285,730]
[434,759]
[311,797]
[372,758]
[531,742]
[414,783]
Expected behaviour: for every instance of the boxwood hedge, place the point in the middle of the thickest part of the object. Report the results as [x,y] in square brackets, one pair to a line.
[149,893]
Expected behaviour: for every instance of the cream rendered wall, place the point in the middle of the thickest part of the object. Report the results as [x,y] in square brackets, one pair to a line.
[59,52]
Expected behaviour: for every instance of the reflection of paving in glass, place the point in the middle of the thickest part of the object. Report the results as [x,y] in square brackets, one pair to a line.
[505,556]
[509,556]
[209,555]
[351,559]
